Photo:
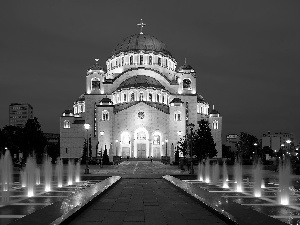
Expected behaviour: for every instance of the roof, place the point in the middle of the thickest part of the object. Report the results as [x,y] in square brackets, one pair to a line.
[176,100]
[81,98]
[201,99]
[105,100]
[139,42]
[141,81]
[68,111]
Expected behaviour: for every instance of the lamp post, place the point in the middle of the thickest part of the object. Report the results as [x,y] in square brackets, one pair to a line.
[101,156]
[87,127]
[289,146]
[255,146]
[166,161]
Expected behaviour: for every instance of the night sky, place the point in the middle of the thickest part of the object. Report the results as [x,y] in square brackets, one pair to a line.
[246,54]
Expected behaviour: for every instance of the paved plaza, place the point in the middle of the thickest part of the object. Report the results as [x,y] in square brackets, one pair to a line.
[142,197]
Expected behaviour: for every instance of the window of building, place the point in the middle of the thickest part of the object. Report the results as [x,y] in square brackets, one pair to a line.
[141,96]
[157,98]
[111,66]
[159,61]
[105,115]
[163,99]
[141,59]
[125,97]
[67,124]
[177,116]
[131,60]
[122,61]
[215,124]
[132,97]
[150,60]
[95,83]
[187,83]
[156,140]
[150,97]
[166,63]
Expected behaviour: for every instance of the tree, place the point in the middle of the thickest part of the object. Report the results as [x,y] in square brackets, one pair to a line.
[200,141]
[105,157]
[227,153]
[204,146]
[53,150]
[245,145]
[34,139]
[84,152]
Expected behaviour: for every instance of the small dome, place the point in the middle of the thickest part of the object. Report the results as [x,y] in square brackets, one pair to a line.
[213,111]
[68,112]
[139,42]
[141,81]
[97,66]
[185,68]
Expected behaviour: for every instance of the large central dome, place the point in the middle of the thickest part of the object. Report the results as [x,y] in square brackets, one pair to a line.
[138,42]
[141,81]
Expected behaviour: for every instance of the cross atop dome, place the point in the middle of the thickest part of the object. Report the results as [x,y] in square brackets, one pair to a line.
[141,24]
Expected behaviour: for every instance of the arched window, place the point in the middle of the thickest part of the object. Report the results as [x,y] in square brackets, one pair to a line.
[118,98]
[67,124]
[187,83]
[141,96]
[125,97]
[111,66]
[157,98]
[150,97]
[177,116]
[150,60]
[166,63]
[141,59]
[122,61]
[131,60]
[105,115]
[156,140]
[75,109]
[95,83]
[215,125]
[159,61]
[132,97]
[163,99]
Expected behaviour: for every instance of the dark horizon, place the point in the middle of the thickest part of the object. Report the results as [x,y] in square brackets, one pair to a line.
[245,54]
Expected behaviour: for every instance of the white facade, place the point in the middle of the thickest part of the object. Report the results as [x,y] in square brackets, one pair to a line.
[138,106]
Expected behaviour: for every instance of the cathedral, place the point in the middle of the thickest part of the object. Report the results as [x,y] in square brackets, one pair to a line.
[139,105]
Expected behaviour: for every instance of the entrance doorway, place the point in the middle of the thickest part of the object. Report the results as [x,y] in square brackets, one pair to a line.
[125,152]
[141,150]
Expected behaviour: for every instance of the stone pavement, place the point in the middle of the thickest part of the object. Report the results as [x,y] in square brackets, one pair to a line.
[145,201]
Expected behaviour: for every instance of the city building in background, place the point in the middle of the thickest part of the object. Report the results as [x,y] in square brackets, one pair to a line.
[139,106]
[231,141]
[19,114]
[277,141]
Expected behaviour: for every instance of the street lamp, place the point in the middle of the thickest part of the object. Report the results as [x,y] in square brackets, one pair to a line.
[87,127]
[255,146]
[166,147]
[101,158]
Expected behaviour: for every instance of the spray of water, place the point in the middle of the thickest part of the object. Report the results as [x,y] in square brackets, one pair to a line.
[284,182]
[257,174]
[59,173]
[77,172]
[70,172]
[47,173]
[207,171]
[238,174]
[31,179]
[225,176]
[215,173]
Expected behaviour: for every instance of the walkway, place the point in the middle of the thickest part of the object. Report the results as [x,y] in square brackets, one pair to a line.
[145,201]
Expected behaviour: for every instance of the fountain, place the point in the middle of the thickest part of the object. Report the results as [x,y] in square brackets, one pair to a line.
[23,176]
[238,175]
[37,176]
[70,172]
[77,172]
[31,179]
[207,171]
[215,173]
[284,182]
[59,173]
[257,179]
[225,176]
[6,176]
[47,173]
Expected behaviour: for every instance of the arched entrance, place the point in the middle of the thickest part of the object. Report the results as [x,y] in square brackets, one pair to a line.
[141,143]
[125,144]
